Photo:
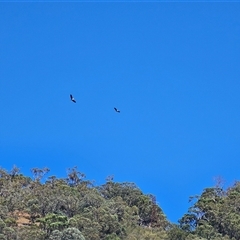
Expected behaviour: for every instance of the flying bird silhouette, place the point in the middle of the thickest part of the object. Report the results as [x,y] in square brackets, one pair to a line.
[118,111]
[72,98]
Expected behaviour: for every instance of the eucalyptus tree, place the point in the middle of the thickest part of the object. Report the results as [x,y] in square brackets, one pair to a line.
[72,233]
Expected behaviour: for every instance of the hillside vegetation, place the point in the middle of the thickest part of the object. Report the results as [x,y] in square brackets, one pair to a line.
[74,208]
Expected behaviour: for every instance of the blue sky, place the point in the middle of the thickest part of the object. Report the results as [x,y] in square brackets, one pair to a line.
[171,68]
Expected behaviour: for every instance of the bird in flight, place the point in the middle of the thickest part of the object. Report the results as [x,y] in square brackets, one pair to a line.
[118,111]
[72,98]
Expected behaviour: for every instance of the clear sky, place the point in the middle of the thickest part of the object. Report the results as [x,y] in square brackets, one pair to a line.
[173,70]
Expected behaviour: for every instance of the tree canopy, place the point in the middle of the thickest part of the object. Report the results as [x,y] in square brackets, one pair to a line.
[73,208]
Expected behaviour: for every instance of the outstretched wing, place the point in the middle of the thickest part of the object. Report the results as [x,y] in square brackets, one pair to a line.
[72,98]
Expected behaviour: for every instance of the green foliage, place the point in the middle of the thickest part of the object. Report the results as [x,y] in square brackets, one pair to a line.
[146,233]
[55,235]
[10,222]
[175,232]
[2,237]
[215,214]
[72,208]
[73,234]
[2,225]
[53,222]
[31,233]
[3,211]
[9,233]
